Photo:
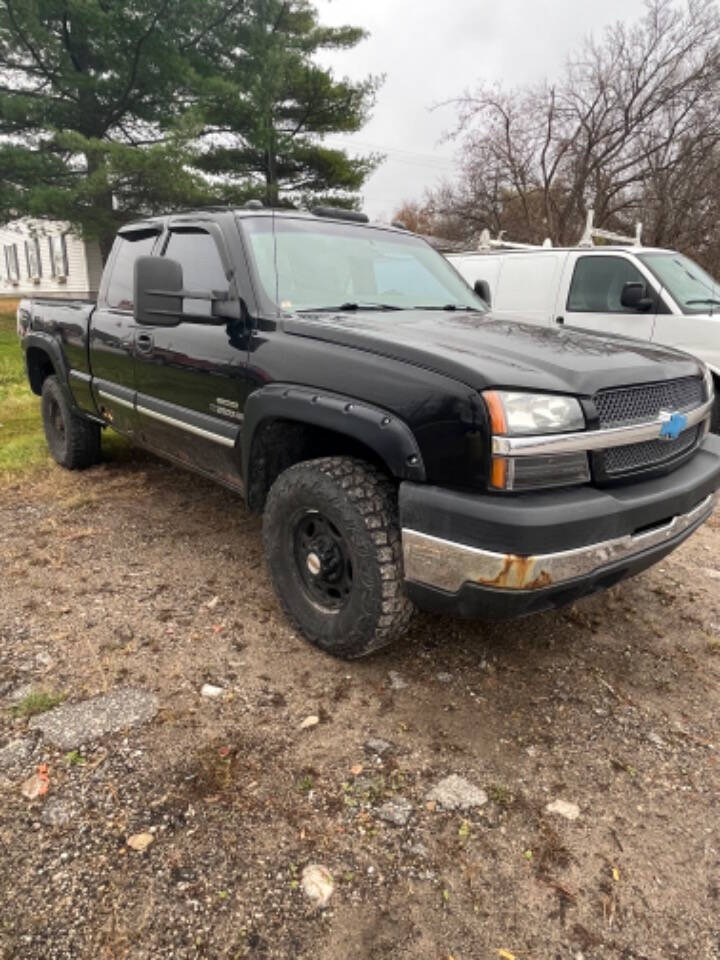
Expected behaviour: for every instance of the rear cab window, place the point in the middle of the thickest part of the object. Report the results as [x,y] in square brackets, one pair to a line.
[127,248]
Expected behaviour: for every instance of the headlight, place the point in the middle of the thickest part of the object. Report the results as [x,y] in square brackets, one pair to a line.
[527,414]
[530,414]
[709,384]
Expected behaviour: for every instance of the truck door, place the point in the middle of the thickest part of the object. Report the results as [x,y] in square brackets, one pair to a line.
[191,376]
[112,330]
[590,295]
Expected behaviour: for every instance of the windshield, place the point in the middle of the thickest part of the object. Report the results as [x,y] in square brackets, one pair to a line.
[693,290]
[316,265]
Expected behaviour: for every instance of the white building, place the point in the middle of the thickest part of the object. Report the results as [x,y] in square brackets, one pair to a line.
[43,258]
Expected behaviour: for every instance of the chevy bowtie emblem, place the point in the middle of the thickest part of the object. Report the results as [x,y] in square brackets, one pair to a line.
[673,424]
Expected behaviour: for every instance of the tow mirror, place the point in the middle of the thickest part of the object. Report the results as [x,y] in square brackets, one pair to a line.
[159,294]
[158,289]
[634,296]
[482,289]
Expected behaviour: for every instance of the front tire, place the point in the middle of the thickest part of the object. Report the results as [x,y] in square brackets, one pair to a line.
[73,441]
[332,542]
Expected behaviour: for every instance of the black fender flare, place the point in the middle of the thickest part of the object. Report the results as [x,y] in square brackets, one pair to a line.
[49,346]
[383,432]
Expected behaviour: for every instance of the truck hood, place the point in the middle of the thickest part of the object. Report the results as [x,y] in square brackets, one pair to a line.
[481,352]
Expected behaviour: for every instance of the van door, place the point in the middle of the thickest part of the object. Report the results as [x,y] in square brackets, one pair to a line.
[590,295]
[526,290]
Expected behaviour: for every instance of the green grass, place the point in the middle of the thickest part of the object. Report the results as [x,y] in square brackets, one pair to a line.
[22,441]
[37,702]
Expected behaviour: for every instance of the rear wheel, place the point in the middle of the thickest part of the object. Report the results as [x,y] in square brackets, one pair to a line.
[73,441]
[332,541]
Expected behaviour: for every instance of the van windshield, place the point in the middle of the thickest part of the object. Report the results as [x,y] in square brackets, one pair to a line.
[313,265]
[694,290]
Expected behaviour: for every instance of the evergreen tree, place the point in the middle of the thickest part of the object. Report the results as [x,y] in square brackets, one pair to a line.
[273,103]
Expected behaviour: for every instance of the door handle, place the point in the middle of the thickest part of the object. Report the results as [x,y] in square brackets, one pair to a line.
[144,343]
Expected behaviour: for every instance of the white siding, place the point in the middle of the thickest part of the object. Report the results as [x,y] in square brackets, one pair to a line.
[84,264]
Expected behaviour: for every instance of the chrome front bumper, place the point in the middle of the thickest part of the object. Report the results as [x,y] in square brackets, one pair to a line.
[447,566]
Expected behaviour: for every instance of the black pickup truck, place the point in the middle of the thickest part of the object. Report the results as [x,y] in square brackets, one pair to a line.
[406,448]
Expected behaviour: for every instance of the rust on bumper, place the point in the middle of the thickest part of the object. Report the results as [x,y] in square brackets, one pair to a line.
[447,565]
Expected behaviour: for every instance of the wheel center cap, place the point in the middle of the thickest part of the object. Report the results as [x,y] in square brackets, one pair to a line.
[314,564]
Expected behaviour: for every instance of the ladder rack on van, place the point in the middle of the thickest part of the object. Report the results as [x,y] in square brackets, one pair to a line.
[595,233]
[590,234]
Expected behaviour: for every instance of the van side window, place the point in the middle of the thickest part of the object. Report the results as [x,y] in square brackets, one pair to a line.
[128,247]
[598,282]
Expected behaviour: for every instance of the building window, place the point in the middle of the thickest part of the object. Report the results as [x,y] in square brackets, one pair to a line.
[58,256]
[32,258]
[12,265]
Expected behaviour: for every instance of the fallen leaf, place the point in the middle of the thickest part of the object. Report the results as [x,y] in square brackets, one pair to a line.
[506,955]
[36,785]
[357,769]
[616,874]
[140,841]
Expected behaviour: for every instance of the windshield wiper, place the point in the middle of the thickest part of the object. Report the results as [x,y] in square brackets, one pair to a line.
[709,301]
[447,306]
[344,307]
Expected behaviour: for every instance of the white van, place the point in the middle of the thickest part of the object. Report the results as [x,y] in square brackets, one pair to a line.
[642,292]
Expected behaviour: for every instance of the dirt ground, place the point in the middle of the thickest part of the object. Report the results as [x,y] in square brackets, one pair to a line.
[109,580]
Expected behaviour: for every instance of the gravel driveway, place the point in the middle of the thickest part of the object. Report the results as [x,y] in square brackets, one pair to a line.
[545,790]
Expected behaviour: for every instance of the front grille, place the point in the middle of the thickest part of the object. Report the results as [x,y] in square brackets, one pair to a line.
[629,405]
[643,404]
[636,456]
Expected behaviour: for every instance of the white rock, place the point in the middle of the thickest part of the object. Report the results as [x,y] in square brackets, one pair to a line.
[208,690]
[396,681]
[317,884]
[656,739]
[311,721]
[571,811]
[396,811]
[457,793]
[211,604]
[445,677]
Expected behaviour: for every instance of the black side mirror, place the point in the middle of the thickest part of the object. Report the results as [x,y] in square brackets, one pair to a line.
[158,291]
[159,295]
[634,296]
[482,289]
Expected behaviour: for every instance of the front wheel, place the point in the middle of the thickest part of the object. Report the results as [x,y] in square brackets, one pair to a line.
[715,416]
[332,541]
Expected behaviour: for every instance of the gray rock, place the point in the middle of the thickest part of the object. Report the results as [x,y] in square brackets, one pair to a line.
[56,812]
[445,677]
[457,793]
[15,755]
[396,811]
[19,693]
[656,739]
[571,811]
[378,746]
[72,724]
[396,681]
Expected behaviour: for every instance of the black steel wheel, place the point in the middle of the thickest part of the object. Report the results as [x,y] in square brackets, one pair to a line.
[333,548]
[73,441]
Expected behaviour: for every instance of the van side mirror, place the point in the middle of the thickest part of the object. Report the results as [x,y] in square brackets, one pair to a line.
[482,289]
[157,291]
[634,296]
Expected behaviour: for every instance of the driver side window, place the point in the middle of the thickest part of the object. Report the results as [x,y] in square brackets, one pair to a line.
[598,282]
[197,253]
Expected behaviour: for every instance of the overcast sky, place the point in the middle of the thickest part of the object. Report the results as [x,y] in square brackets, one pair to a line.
[431,51]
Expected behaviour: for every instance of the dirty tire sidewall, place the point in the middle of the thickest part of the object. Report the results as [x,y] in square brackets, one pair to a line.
[359,502]
[53,402]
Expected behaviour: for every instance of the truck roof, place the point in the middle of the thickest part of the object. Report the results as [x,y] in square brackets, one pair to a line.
[329,213]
